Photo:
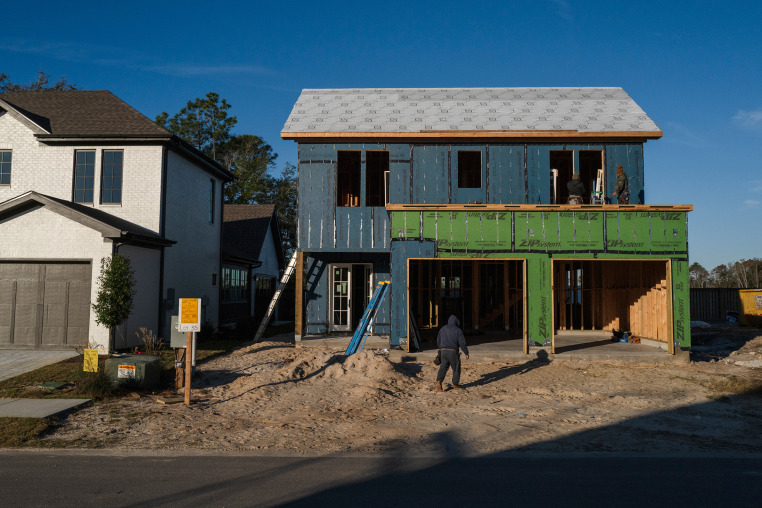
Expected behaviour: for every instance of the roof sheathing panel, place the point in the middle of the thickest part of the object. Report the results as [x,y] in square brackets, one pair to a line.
[468,112]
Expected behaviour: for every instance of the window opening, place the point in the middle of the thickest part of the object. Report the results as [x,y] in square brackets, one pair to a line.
[111,179]
[5,167]
[84,176]
[348,178]
[376,167]
[469,170]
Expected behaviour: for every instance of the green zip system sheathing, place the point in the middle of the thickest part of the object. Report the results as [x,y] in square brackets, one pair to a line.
[540,235]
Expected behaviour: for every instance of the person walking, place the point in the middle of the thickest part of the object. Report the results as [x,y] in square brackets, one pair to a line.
[622,188]
[449,340]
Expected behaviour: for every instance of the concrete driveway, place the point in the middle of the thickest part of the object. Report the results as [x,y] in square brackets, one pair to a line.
[14,362]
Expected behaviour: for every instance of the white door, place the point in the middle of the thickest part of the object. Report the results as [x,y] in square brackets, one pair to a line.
[341,295]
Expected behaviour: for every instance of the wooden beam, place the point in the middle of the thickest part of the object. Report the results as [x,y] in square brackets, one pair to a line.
[670,311]
[472,134]
[299,297]
[475,294]
[506,297]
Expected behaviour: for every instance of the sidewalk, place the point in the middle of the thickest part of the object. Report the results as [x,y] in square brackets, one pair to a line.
[37,408]
[14,362]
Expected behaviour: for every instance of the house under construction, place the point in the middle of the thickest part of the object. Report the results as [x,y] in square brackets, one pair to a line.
[458,197]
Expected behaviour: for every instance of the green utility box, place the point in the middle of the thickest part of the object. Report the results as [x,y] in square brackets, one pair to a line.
[137,371]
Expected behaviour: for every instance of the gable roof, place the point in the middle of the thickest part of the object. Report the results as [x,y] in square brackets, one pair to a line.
[78,113]
[108,225]
[63,116]
[244,229]
[468,112]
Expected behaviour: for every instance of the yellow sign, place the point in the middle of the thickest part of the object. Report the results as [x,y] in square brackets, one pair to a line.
[91,360]
[189,310]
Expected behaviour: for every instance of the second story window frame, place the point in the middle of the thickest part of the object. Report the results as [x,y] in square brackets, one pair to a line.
[469,169]
[6,157]
[348,178]
[112,177]
[83,188]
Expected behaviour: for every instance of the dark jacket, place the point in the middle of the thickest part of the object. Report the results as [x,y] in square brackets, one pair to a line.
[621,184]
[576,188]
[451,337]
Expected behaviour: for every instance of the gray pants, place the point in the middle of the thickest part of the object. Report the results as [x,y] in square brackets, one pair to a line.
[450,358]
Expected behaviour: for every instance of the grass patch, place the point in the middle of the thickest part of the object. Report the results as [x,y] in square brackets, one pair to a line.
[737,386]
[97,385]
[24,432]
[67,371]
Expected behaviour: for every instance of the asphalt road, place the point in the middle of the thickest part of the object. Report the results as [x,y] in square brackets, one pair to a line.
[111,479]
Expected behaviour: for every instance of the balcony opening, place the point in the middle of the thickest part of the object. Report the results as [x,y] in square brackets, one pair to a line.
[376,166]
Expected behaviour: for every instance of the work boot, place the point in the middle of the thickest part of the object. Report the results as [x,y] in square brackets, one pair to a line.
[456,387]
[439,386]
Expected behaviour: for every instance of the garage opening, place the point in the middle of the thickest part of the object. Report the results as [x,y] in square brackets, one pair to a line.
[611,296]
[487,296]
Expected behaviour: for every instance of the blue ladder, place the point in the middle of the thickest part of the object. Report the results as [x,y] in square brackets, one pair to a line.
[358,339]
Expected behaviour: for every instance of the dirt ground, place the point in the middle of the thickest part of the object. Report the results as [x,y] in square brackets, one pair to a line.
[274,398]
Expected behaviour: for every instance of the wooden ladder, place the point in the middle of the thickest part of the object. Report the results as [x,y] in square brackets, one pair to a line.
[276,296]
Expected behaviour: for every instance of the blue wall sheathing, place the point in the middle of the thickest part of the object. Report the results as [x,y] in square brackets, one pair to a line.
[419,174]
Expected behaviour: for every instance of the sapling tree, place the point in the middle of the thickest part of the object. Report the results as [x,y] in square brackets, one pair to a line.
[114,301]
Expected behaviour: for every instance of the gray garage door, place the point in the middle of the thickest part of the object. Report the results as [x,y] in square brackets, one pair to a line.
[44,305]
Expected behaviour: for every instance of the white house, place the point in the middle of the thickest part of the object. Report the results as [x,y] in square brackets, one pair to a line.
[84,175]
[252,258]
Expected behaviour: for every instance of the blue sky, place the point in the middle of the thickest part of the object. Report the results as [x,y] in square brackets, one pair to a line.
[694,67]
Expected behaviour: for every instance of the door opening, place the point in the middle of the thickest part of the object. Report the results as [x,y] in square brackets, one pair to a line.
[351,289]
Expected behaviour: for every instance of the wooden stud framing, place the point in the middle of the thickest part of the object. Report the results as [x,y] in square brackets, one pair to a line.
[631,294]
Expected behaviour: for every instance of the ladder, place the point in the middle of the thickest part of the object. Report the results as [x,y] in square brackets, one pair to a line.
[358,339]
[597,196]
[276,296]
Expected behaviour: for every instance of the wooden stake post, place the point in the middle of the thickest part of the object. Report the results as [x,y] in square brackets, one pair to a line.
[189,322]
[188,368]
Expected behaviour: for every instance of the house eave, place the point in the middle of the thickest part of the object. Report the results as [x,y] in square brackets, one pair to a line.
[502,136]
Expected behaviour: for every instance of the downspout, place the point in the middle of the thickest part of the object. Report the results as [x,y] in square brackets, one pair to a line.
[162,232]
[219,253]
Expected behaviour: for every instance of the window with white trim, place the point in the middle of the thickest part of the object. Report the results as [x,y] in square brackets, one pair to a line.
[84,176]
[111,177]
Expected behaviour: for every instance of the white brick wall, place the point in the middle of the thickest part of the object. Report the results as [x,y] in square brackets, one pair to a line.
[41,235]
[50,170]
[189,265]
[145,264]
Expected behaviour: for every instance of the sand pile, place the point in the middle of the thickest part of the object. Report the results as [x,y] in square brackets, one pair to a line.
[272,396]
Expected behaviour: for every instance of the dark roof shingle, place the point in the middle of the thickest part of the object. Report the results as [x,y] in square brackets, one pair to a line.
[244,230]
[83,113]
